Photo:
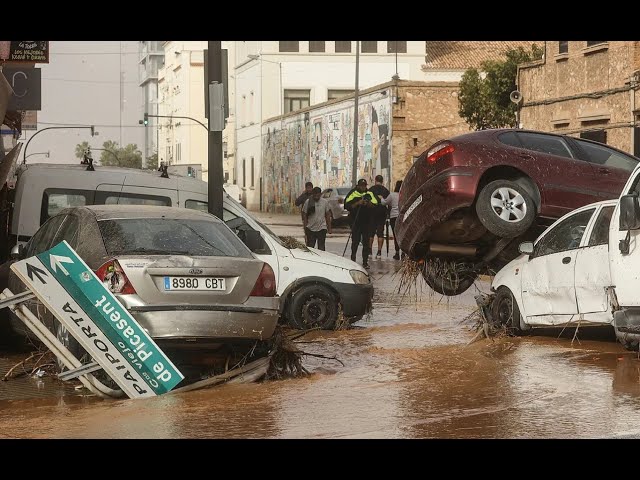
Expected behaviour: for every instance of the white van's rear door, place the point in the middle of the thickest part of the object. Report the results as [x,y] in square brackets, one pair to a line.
[625,268]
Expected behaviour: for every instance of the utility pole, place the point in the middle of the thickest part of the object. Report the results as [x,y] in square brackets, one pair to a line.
[215,166]
[354,174]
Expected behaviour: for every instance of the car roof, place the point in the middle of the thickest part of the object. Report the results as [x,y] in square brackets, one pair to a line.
[108,212]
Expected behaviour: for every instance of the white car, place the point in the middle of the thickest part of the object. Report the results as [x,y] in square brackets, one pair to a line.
[563,278]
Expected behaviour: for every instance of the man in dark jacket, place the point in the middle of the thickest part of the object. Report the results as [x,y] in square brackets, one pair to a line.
[308,191]
[361,204]
[380,214]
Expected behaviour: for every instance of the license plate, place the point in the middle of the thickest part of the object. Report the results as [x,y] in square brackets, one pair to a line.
[193,283]
[413,206]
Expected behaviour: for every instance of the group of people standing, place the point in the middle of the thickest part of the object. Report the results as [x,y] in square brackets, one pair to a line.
[369,209]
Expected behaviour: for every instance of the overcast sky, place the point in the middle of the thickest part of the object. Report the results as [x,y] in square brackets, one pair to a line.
[81,85]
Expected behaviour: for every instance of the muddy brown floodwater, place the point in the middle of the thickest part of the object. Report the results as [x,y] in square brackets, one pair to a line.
[407,374]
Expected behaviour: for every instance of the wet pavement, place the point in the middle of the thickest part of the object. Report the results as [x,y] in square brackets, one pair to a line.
[408,373]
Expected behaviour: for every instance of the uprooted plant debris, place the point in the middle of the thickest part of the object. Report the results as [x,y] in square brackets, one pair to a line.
[483,323]
[286,357]
[37,363]
[292,243]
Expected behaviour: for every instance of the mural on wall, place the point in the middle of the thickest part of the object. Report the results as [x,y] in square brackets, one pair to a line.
[317,146]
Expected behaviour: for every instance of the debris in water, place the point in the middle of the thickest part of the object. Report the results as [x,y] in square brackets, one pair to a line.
[292,243]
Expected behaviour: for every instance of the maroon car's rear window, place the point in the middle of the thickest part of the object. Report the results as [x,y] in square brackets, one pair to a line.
[168,236]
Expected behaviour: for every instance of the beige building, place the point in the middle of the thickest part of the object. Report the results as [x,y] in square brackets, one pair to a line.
[181,94]
[586,89]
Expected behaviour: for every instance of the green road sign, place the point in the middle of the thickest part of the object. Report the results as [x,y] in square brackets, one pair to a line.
[124,332]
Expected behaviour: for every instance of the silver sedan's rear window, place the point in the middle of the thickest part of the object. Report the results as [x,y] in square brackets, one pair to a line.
[168,236]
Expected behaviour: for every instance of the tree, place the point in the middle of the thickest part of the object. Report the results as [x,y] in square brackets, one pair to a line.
[484,100]
[113,155]
[151,162]
[81,148]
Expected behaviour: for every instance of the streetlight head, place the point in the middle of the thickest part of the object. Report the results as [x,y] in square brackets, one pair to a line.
[254,57]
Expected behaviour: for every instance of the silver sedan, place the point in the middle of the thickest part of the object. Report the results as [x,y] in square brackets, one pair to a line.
[184,275]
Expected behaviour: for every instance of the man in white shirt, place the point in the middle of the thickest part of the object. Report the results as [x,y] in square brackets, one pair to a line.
[316,218]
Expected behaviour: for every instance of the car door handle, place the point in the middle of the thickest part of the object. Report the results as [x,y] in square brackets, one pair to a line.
[525,156]
[566,260]
[604,171]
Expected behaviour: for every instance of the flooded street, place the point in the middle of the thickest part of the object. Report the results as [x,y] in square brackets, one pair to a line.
[407,374]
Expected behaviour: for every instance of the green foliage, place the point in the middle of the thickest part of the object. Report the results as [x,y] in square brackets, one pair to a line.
[81,148]
[151,163]
[484,102]
[113,155]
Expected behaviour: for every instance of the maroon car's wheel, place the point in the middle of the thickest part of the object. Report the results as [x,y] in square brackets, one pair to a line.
[505,208]
[451,281]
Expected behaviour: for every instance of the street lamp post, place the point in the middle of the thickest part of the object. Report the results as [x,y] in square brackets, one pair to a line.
[24,160]
[46,154]
[141,122]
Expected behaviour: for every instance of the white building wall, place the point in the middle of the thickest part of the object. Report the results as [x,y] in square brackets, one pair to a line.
[261,81]
[181,84]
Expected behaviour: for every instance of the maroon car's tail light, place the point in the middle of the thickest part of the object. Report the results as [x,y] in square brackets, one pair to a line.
[266,284]
[114,278]
[439,151]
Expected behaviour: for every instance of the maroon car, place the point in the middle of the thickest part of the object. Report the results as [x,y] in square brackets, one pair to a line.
[471,199]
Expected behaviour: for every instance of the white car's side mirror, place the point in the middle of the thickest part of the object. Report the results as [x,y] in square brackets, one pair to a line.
[526,248]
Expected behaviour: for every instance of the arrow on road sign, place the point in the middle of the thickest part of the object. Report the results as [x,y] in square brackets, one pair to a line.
[57,261]
[31,271]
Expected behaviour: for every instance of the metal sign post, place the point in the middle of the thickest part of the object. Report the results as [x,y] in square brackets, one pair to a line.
[65,284]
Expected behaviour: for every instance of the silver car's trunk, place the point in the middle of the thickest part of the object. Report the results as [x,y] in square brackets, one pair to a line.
[198,279]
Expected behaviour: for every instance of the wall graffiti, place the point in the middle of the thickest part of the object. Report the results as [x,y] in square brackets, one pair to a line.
[317,146]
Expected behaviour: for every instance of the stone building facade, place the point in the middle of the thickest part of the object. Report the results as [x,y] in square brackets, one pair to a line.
[397,121]
[586,89]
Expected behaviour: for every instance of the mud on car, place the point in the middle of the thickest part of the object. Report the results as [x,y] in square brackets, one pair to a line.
[468,201]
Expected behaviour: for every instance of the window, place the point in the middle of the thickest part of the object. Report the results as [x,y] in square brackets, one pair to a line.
[42,239]
[545,144]
[343,47]
[244,172]
[296,100]
[253,184]
[197,205]
[369,47]
[600,233]
[599,136]
[179,236]
[178,152]
[511,139]
[68,231]
[563,47]
[316,46]
[564,236]
[54,200]
[396,47]
[289,46]
[607,157]
[124,198]
[593,43]
[334,94]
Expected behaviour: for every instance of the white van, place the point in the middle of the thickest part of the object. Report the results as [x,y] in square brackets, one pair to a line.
[315,287]
[583,270]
